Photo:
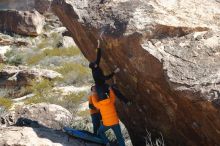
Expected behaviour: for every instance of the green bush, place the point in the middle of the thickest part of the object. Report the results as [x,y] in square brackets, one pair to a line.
[14,58]
[5,102]
[53,52]
[1,66]
[35,100]
[69,67]
[74,73]
[44,92]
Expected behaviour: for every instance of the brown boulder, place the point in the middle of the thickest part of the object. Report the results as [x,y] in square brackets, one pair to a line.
[21,22]
[168,52]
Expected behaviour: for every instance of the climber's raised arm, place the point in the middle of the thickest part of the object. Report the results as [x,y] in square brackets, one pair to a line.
[98,57]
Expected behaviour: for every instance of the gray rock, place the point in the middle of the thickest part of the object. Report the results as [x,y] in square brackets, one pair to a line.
[38,115]
[27,136]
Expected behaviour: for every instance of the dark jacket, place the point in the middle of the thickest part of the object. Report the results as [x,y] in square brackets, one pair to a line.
[97,72]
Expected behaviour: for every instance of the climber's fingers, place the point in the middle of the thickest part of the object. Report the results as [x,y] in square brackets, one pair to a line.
[98,41]
[101,35]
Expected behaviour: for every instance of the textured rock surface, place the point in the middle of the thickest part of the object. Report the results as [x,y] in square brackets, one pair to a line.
[6,42]
[41,6]
[169,56]
[21,22]
[36,115]
[12,76]
[27,136]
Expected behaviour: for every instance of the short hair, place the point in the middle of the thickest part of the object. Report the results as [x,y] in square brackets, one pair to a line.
[93,86]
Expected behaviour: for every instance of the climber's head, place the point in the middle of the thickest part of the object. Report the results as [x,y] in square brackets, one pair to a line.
[93,89]
[93,65]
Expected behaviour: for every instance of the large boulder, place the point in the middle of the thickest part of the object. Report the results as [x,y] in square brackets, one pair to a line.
[168,52]
[18,76]
[38,115]
[21,22]
[27,136]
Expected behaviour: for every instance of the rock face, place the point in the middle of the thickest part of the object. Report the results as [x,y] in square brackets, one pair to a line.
[169,56]
[38,115]
[21,22]
[12,76]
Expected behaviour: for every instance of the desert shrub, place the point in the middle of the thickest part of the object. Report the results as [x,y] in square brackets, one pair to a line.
[43,92]
[5,102]
[1,66]
[53,52]
[41,88]
[72,101]
[49,41]
[24,91]
[14,58]
[4,92]
[74,73]
[82,123]
[35,100]
[150,142]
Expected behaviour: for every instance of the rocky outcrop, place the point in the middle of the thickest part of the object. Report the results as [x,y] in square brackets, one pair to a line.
[26,136]
[21,22]
[168,52]
[13,76]
[37,124]
[37,115]
[6,42]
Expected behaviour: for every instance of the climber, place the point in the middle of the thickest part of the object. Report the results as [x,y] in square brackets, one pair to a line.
[109,117]
[100,78]
[95,114]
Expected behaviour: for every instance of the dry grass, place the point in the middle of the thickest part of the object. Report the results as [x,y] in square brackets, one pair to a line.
[150,142]
[69,67]
[2,66]
[72,51]
[5,102]
[43,92]
[74,73]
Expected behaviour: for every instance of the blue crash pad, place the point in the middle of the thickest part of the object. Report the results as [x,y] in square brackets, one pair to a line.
[85,135]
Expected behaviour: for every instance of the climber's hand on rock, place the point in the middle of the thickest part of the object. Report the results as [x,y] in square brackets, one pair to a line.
[98,41]
[129,103]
